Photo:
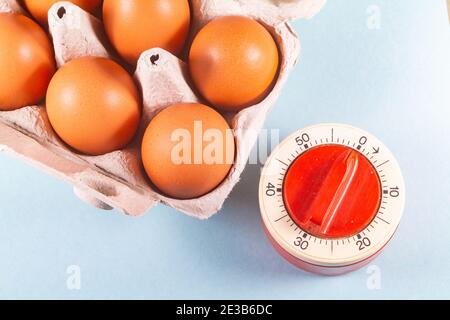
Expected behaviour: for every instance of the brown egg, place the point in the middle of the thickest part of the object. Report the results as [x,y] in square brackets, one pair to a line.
[26,61]
[233,62]
[188,150]
[39,8]
[136,26]
[93,105]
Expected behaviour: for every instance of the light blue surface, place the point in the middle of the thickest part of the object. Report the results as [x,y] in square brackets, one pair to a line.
[393,82]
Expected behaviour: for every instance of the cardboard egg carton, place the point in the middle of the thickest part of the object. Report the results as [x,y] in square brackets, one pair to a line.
[117,180]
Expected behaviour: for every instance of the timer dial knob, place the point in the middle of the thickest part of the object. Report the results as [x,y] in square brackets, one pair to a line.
[332,191]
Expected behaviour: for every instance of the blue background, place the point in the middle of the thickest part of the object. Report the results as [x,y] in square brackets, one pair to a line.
[393,82]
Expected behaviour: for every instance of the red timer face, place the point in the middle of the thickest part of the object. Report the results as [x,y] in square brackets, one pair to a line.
[332,191]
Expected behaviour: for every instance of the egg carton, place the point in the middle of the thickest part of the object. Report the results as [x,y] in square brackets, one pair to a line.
[117,179]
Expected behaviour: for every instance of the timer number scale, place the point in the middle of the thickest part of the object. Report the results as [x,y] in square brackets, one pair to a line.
[331,197]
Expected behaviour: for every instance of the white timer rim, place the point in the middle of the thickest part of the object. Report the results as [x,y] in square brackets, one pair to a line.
[319,260]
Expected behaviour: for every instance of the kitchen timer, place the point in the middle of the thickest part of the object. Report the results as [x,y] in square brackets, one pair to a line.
[331,197]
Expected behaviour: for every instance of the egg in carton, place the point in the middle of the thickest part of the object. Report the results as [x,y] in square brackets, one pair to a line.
[117,179]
